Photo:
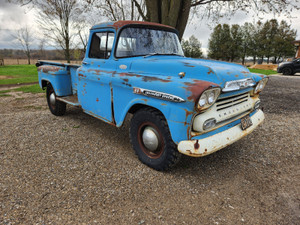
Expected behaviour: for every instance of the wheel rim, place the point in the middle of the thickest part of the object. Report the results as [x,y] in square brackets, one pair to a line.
[52,98]
[150,140]
[287,71]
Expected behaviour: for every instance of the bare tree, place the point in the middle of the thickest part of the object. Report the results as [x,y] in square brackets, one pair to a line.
[25,39]
[116,10]
[55,18]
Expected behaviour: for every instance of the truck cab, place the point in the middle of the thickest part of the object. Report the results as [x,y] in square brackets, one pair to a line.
[180,105]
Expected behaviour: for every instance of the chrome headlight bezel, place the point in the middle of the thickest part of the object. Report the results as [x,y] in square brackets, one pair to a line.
[203,102]
[260,85]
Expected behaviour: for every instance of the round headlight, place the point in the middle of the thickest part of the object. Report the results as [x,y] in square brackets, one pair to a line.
[208,98]
[203,100]
[211,97]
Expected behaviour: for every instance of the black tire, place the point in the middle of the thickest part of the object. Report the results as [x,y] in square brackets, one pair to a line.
[57,108]
[287,71]
[166,154]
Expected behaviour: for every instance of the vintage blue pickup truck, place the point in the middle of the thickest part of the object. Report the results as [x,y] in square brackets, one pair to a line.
[179,105]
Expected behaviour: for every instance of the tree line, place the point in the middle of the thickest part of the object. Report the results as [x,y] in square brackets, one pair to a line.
[270,40]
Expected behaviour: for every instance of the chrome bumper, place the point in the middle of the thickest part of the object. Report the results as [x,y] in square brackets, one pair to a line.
[206,146]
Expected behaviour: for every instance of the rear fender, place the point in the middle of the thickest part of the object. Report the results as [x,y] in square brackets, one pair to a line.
[58,76]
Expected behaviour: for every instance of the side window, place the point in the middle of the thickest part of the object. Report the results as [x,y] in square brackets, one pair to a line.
[101,45]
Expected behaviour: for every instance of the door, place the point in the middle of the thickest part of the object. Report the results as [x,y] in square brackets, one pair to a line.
[94,77]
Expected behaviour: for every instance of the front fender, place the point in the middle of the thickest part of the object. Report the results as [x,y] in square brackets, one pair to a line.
[178,114]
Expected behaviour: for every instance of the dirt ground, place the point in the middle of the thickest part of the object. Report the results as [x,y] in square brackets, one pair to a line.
[76,169]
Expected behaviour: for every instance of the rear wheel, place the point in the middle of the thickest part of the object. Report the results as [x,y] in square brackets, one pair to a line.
[287,71]
[56,107]
[151,140]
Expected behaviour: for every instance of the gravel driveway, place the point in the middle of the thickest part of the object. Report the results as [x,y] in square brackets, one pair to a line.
[76,169]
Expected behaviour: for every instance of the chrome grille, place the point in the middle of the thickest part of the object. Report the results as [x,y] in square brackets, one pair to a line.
[228,102]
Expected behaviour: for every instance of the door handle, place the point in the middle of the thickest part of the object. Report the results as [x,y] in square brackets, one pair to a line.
[85,63]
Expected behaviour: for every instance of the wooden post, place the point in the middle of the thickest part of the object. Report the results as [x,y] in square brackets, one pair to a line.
[297,45]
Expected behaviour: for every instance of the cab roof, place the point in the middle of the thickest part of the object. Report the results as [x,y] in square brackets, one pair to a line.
[119,24]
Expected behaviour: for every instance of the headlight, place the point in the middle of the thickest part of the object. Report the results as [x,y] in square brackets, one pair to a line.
[260,86]
[208,98]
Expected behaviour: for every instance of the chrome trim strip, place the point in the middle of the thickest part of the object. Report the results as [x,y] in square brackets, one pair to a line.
[157,94]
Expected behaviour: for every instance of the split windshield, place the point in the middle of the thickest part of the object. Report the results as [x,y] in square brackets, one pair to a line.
[134,41]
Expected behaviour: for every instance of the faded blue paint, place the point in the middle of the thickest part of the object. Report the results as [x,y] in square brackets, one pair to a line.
[105,86]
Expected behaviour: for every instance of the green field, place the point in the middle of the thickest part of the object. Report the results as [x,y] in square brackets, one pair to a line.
[19,74]
[265,72]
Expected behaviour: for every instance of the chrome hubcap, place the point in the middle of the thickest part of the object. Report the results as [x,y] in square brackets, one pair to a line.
[150,138]
[52,99]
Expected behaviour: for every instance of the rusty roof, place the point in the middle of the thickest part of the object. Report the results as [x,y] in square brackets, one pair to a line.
[122,23]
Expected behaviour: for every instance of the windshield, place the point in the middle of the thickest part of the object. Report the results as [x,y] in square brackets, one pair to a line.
[135,41]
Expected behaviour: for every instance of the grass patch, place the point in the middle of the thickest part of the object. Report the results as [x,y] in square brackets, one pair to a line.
[4,91]
[4,95]
[30,89]
[19,74]
[265,72]
[33,107]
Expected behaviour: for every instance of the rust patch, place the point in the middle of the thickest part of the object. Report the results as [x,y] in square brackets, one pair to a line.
[210,71]
[47,69]
[97,100]
[146,79]
[187,64]
[127,84]
[126,80]
[196,145]
[98,72]
[163,104]
[81,75]
[245,72]
[197,87]
[187,113]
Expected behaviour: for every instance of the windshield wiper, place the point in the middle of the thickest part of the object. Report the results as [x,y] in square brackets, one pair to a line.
[155,53]
[174,54]
[151,54]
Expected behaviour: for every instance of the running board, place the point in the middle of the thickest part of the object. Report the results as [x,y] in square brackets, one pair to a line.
[71,99]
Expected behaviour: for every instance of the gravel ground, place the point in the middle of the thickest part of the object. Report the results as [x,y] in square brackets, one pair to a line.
[76,169]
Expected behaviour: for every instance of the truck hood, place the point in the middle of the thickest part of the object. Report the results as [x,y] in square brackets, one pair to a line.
[200,69]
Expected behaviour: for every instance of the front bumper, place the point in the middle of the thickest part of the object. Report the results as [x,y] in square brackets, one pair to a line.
[208,145]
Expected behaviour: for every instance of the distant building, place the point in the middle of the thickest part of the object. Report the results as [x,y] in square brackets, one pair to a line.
[297,44]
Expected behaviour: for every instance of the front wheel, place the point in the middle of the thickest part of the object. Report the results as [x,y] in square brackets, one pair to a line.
[287,71]
[56,107]
[151,140]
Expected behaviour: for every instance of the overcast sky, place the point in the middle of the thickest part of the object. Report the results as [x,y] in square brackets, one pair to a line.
[14,17]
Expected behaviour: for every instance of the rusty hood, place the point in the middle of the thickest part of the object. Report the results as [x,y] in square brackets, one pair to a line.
[217,72]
